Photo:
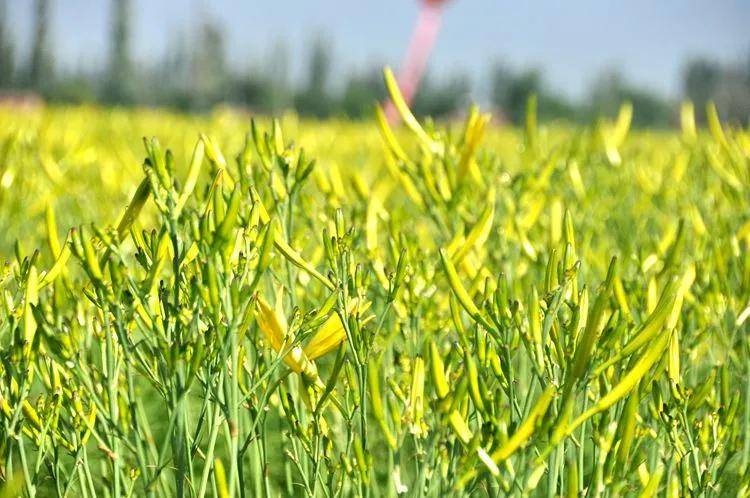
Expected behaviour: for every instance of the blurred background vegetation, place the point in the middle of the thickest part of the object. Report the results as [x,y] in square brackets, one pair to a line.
[195,75]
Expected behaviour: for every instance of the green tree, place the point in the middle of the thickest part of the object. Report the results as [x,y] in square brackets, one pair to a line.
[209,69]
[119,82]
[314,99]
[606,93]
[509,91]
[74,88]
[441,99]
[732,95]
[554,106]
[41,66]
[264,87]
[7,55]
[610,90]
[275,74]
[700,80]
[174,74]
[361,92]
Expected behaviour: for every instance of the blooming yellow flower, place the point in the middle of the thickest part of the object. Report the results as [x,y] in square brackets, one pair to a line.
[273,324]
[332,332]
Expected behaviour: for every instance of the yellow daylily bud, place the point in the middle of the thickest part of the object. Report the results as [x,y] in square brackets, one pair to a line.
[31,298]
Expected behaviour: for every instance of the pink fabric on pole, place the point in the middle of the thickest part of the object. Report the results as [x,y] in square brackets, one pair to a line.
[421,44]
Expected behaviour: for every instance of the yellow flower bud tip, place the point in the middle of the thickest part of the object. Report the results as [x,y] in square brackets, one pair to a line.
[404,111]
[458,424]
[438,372]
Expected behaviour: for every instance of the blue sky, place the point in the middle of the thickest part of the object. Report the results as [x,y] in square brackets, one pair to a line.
[571,41]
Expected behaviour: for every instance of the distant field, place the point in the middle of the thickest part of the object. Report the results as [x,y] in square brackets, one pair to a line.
[429,310]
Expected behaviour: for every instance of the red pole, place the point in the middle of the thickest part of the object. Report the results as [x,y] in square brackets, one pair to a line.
[419,49]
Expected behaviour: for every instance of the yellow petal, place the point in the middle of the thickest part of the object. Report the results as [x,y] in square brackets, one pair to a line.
[331,333]
[270,324]
[328,338]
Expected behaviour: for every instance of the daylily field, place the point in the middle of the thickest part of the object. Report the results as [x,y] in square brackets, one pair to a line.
[261,308]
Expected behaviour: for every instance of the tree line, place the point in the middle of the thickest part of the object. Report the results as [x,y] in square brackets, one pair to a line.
[195,75]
